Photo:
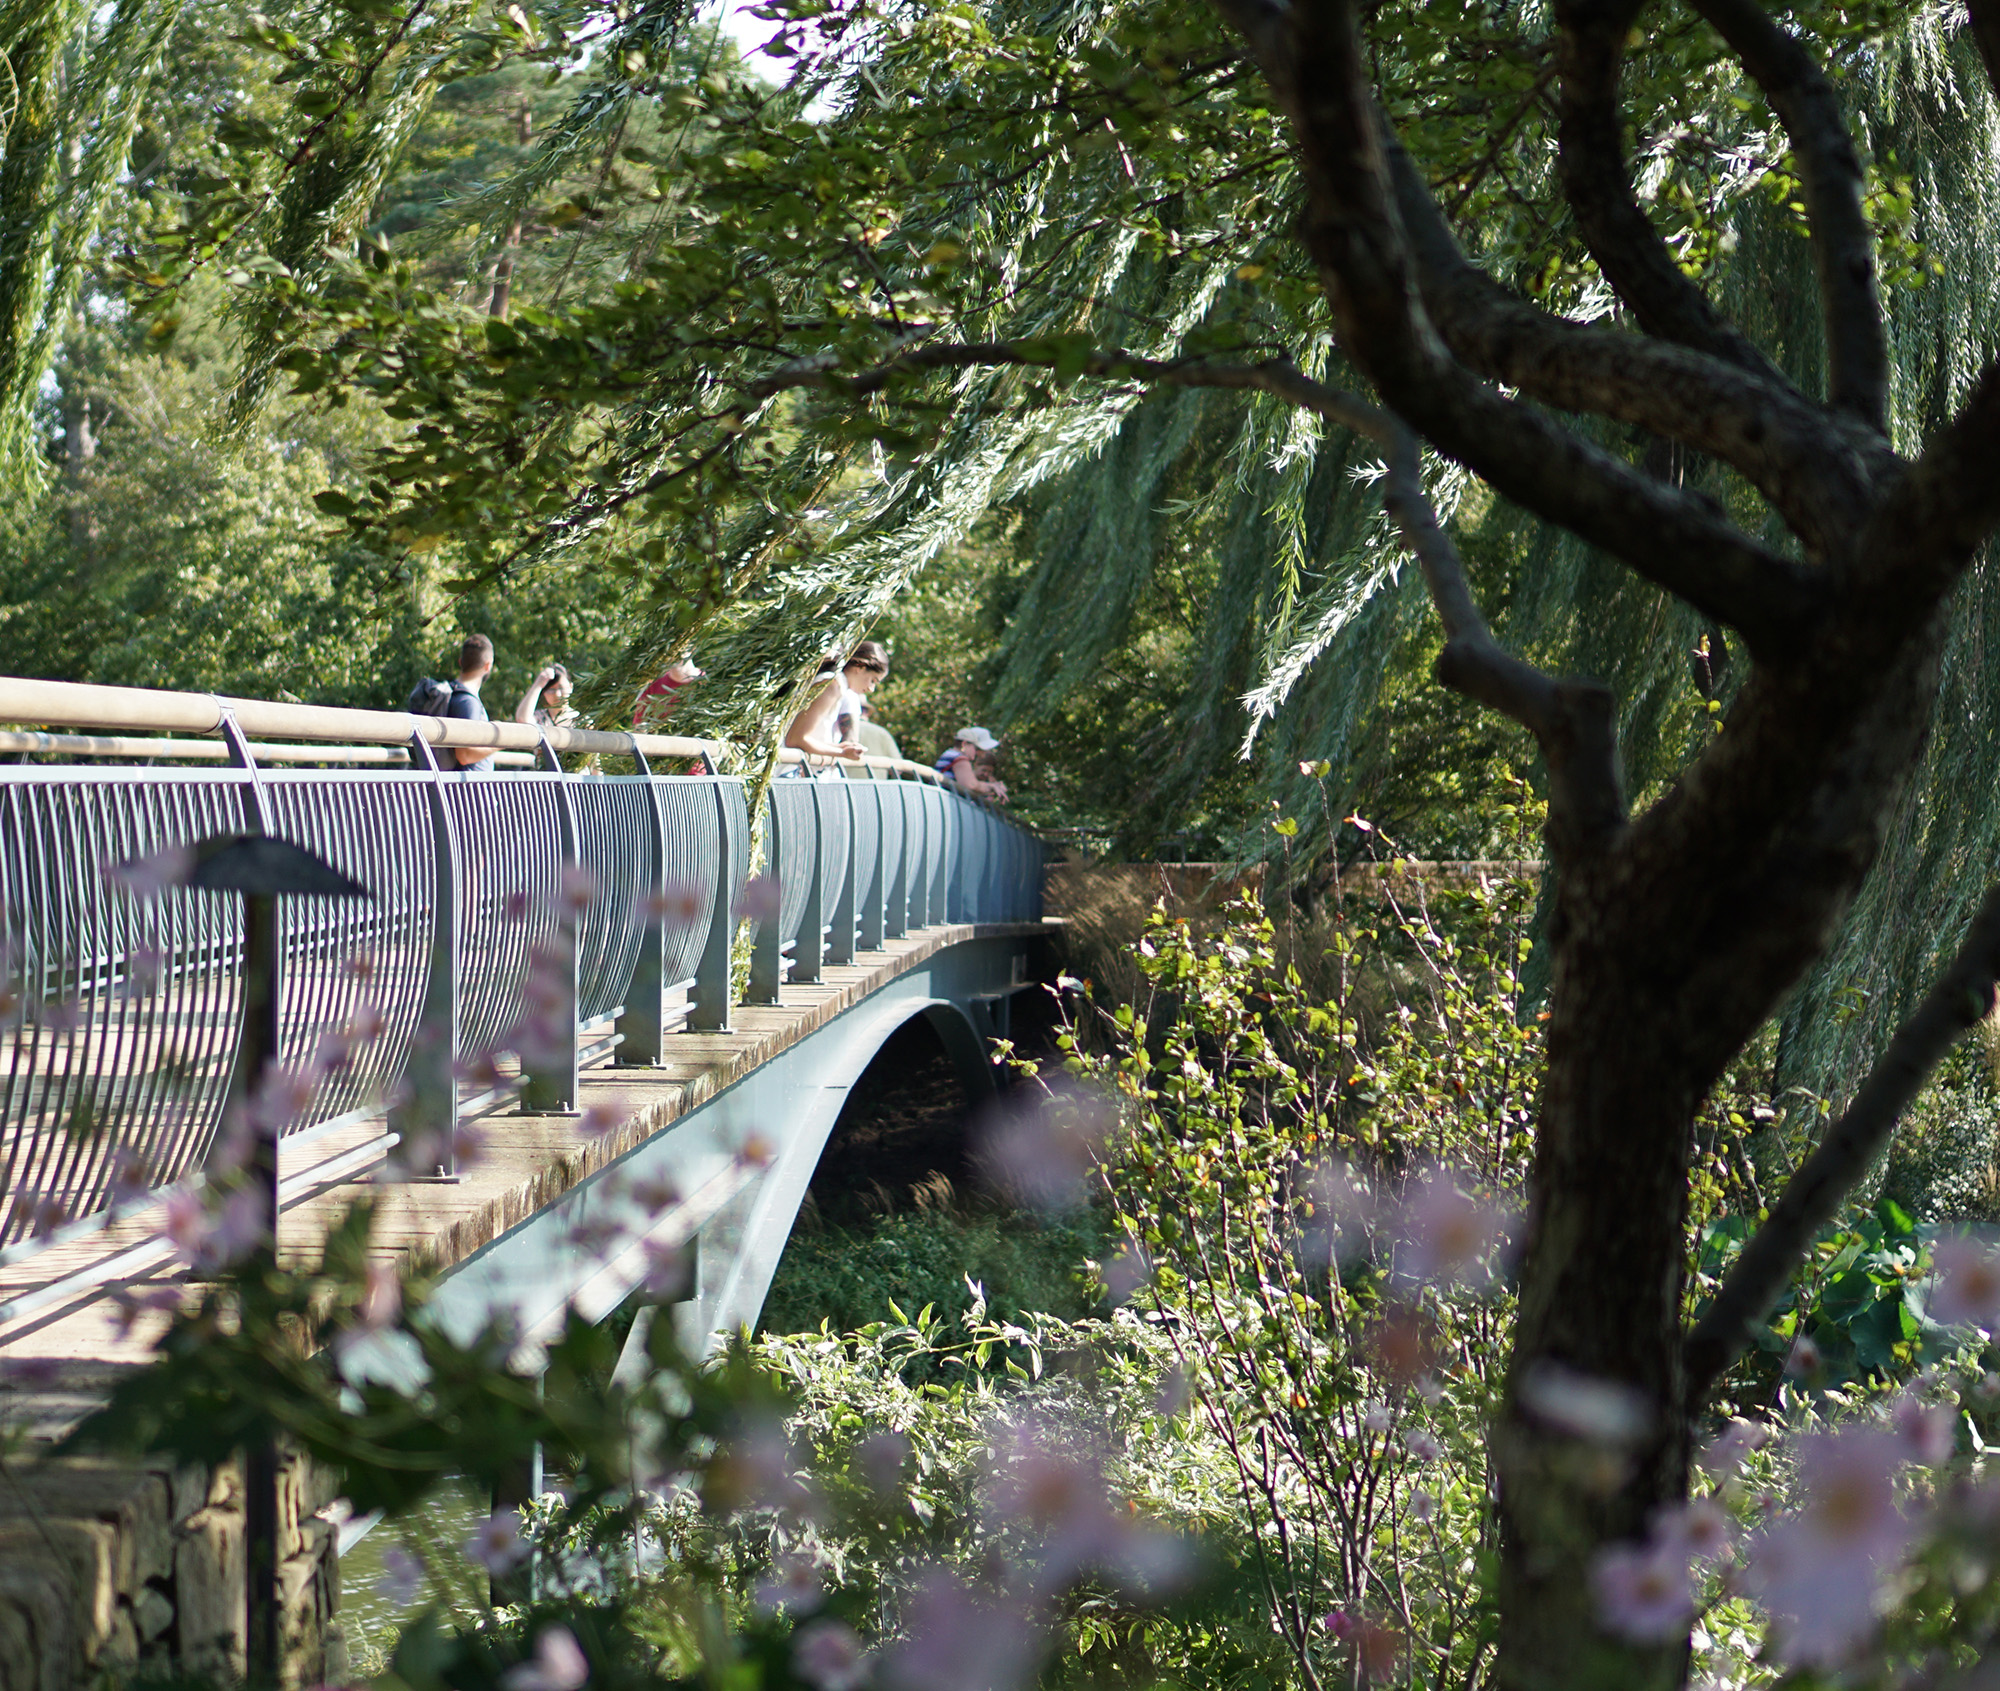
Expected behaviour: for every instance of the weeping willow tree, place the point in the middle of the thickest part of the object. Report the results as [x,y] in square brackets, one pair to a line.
[1674,322]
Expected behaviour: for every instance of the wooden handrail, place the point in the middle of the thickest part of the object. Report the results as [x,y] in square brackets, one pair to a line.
[72,704]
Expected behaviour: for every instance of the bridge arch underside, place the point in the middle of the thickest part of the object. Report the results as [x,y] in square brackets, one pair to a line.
[741,1216]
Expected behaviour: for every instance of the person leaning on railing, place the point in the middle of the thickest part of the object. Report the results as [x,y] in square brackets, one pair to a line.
[830,723]
[475,663]
[960,764]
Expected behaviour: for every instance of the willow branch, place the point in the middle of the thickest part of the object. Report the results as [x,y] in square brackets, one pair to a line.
[1590,49]
[1857,343]
[1956,1002]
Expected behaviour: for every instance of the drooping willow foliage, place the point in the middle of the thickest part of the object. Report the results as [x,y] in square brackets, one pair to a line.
[1310,600]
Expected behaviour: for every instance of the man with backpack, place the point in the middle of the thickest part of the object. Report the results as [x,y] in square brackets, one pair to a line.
[459,699]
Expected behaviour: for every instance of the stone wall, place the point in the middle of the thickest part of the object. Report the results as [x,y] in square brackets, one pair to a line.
[108,1569]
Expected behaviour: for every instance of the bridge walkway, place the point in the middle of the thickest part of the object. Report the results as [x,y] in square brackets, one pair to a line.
[61,1354]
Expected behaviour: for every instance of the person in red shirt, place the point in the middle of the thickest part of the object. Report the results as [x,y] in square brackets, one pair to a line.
[659,696]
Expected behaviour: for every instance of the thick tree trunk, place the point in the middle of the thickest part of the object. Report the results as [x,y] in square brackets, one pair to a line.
[1671,948]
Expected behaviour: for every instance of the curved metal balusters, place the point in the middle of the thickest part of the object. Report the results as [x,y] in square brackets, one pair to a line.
[522,896]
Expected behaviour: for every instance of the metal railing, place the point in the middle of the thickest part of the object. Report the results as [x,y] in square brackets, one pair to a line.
[521,926]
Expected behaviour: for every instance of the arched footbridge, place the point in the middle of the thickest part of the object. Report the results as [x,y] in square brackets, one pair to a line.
[562,1029]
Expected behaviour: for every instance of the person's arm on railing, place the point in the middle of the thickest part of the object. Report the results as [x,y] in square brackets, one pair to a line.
[968,777]
[811,729]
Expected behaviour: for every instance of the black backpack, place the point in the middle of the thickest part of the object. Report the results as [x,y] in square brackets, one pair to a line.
[430,697]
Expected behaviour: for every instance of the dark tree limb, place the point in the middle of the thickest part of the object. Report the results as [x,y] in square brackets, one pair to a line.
[1815,471]
[1596,182]
[1930,523]
[1957,1001]
[1985,19]
[1857,344]
[1678,540]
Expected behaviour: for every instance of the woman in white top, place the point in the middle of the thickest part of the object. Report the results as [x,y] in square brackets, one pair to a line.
[552,688]
[830,724]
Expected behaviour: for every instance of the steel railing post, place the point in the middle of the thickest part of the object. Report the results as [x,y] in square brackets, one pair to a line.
[896,904]
[929,801]
[945,858]
[426,1112]
[767,946]
[550,1087]
[708,1009]
[809,950]
[841,921]
[873,918]
[642,1027]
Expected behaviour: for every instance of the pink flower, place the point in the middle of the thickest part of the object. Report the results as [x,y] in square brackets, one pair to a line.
[675,905]
[1422,1444]
[881,1457]
[402,1576]
[1339,1624]
[1042,1153]
[1423,1507]
[1968,1283]
[558,1664]
[1597,1411]
[1444,1235]
[1081,1529]
[1700,1529]
[760,899]
[1727,1451]
[792,1584]
[578,888]
[146,878]
[604,1115]
[1644,1591]
[134,1306]
[753,1469]
[186,1223]
[1821,1572]
[381,1295]
[1803,1358]
[496,1543]
[241,1227]
[669,1272]
[1928,1430]
[827,1655]
[1337,1217]
[212,1237]
[1127,1271]
[284,1094]
[657,1194]
[959,1640]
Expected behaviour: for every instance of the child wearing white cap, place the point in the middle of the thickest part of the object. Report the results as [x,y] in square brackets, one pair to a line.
[960,763]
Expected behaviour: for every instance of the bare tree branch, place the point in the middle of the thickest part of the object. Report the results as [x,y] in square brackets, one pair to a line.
[1961,996]
[1814,469]
[1621,237]
[1678,540]
[1926,529]
[1857,344]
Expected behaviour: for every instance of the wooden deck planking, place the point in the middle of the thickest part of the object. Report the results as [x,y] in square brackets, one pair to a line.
[525,1162]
